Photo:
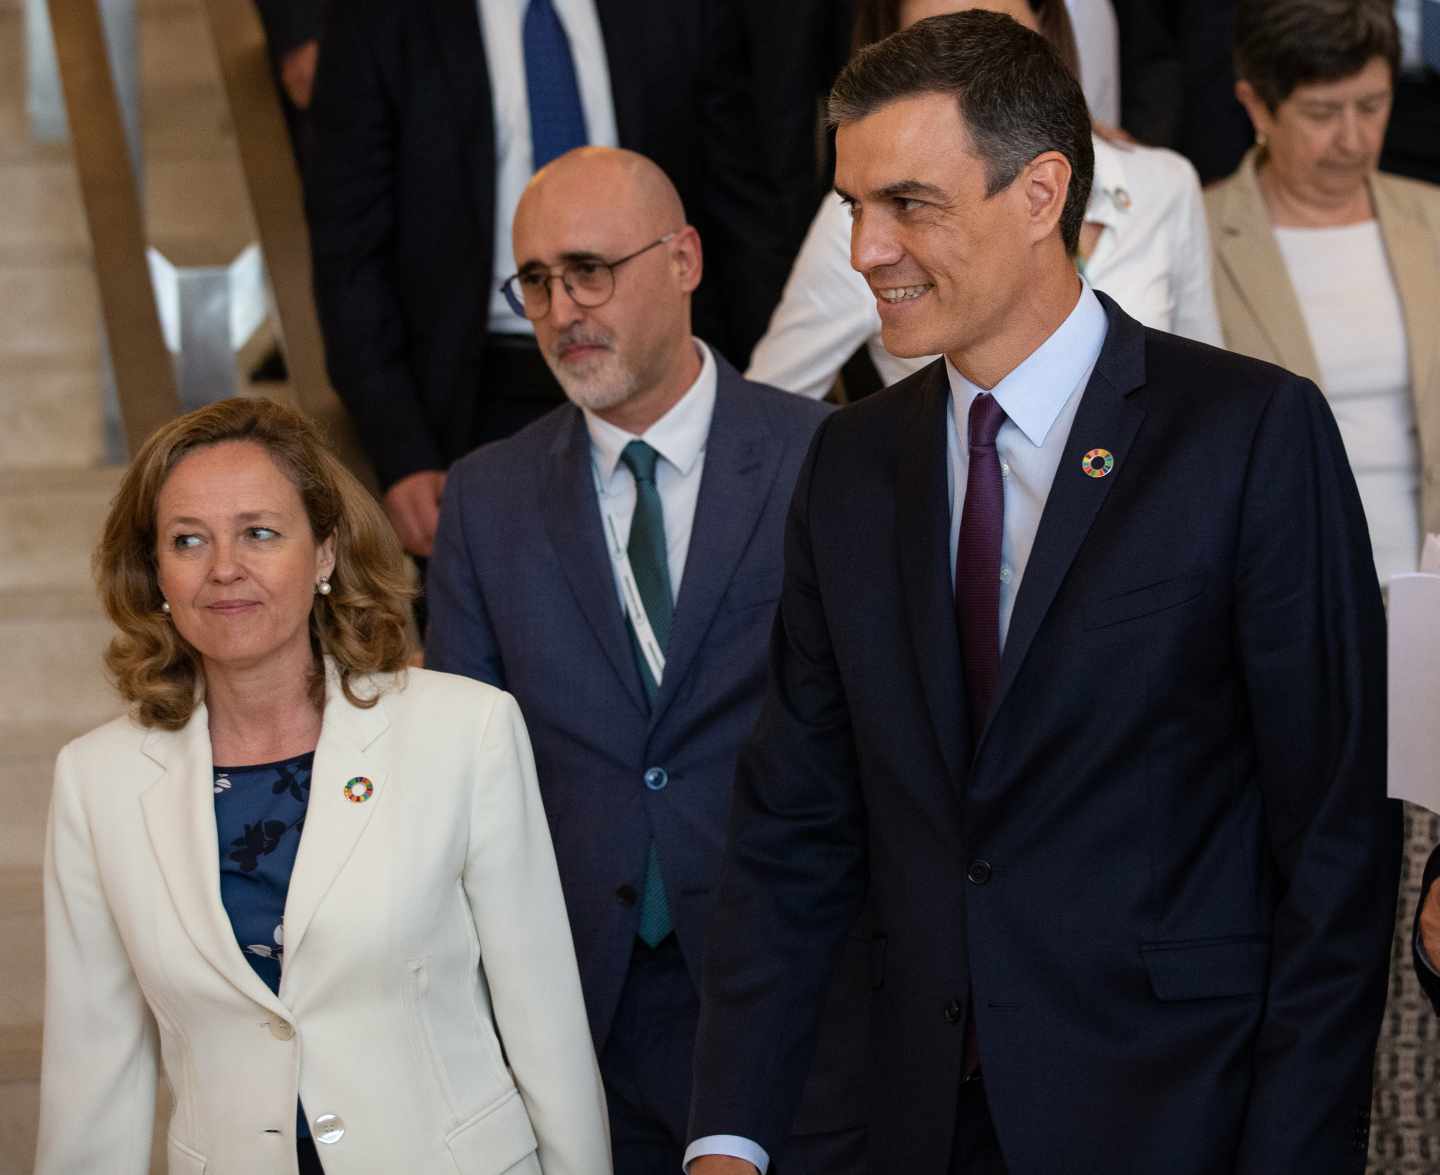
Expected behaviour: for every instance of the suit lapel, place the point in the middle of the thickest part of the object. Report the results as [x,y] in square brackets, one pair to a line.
[179,811]
[351,745]
[1412,256]
[572,521]
[1107,418]
[457,28]
[1247,248]
[922,530]
[742,458]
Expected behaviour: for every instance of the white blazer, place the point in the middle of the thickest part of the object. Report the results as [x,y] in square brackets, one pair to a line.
[423,927]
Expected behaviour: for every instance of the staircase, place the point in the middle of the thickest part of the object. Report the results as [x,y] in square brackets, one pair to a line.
[54,485]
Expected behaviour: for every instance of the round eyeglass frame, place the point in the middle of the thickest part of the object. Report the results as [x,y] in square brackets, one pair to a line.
[509,287]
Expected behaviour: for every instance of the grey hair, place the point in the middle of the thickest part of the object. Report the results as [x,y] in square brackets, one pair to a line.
[1016,97]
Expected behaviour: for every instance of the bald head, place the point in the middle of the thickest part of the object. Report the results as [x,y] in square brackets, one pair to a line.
[612,212]
[628,180]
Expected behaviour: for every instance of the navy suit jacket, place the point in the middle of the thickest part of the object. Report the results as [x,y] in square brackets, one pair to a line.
[400,198]
[522,595]
[1166,867]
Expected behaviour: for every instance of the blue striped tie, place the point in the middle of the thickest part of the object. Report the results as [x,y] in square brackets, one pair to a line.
[1430,33]
[557,119]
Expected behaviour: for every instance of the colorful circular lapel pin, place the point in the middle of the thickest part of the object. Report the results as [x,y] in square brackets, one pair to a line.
[359,789]
[1097,462]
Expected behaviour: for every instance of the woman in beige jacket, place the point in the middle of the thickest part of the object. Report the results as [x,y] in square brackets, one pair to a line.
[312,887]
[1326,266]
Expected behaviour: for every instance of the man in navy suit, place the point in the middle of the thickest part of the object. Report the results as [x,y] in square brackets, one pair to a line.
[1078,682]
[615,566]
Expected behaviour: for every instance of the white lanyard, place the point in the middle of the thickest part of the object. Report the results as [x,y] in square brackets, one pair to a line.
[634,605]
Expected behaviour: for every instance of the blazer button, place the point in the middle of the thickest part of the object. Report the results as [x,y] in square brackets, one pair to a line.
[979,873]
[953,1012]
[281,1029]
[656,778]
[328,1128]
[626,895]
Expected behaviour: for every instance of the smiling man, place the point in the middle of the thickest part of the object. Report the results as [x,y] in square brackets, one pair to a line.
[1077,683]
[615,566]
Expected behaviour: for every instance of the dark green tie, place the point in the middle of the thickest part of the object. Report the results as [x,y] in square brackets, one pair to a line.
[651,567]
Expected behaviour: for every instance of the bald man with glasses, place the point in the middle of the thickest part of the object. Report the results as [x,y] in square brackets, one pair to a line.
[616,567]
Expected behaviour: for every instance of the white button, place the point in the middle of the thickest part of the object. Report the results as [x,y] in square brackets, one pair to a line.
[329,1129]
[282,1029]
[1004,469]
[1005,575]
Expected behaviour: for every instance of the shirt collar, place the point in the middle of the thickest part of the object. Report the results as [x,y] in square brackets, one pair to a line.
[1036,391]
[678,436]
[1109,197]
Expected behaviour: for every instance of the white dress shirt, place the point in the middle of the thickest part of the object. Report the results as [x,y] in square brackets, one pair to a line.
[1153,257]
[1040,398]
[502,24]
[1356,324]
[679,437]
[1097,39]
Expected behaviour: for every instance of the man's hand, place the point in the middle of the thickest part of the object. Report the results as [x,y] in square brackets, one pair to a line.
[1430,925]
[297,72]
[722,1165]
[413,505]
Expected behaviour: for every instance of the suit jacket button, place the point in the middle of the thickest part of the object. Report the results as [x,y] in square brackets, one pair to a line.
[953,1012]
[626,895]
[656,778]
[979,873]
[281,1029]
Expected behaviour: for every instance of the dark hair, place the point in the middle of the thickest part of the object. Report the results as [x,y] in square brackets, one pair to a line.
[1282,44]
[877,19]
[362,623]
[1015,95]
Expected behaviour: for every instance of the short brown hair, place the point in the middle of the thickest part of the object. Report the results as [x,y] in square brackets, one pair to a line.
[877,19]
[362,623]
[1016,97]
[1283,44]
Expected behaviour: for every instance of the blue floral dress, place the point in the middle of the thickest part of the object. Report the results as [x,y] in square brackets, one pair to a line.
[259,815]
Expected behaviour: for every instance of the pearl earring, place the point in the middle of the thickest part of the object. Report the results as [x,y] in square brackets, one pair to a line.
[323,587]
[165,607]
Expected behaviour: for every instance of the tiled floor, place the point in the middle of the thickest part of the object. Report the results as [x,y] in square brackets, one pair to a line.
[53,484]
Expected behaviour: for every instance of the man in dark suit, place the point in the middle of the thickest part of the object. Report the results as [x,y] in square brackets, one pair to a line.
[1077,680]
[427,121]
[615,566]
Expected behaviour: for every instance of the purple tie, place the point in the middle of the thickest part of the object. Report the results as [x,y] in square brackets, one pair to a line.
[977,562]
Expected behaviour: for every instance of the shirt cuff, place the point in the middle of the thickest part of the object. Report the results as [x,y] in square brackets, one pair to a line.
[728,1144]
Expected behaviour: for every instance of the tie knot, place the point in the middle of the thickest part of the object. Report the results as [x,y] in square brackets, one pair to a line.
[640,460]
[986,417]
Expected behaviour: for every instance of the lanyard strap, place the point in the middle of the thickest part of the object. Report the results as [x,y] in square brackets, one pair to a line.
[630,590]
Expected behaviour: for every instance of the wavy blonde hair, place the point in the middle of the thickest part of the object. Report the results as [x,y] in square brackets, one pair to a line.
[361,624]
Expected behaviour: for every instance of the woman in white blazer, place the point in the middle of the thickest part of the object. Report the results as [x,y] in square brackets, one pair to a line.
[395,990]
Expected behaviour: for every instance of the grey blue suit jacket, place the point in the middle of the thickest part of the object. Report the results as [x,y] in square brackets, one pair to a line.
[522,595]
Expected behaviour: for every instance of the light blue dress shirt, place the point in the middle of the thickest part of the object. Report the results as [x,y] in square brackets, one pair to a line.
[1040,398]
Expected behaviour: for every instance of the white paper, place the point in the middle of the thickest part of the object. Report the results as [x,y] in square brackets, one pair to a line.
[1414,720]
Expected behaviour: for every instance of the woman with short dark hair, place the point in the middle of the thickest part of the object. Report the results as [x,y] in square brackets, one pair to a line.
[313,886]
[1329,267]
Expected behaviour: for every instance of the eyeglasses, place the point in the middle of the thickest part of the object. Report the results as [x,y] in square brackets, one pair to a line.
[590,282]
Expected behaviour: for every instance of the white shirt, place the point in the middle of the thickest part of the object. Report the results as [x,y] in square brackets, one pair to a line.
[1356,325]
[679,437]
[1040,398]
[501,25]
[1097,39]
[1153,257]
